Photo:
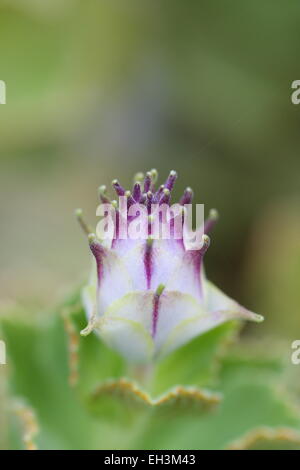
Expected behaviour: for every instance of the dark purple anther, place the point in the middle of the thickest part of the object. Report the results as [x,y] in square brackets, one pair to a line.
[187,197]
[149,201]
[143,198]
[211,221]
[130,200]
[171,180]
[137,192]
[147,182]
[166,196]
[118,188]
[158,194]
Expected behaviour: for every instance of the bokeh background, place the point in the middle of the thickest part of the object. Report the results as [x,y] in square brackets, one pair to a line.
[98,90]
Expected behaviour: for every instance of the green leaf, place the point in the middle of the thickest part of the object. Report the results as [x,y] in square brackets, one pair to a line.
[268,439]
[247,404]
[124,398]
[38,362]
[197,362]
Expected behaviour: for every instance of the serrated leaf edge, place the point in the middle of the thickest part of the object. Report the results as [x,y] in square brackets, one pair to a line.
[269,434]
[124,385]
[29,424]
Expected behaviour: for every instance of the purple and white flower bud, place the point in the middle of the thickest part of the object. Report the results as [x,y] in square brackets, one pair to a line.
[147,297]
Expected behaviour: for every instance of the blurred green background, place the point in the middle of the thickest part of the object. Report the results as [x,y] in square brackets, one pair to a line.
[98,90]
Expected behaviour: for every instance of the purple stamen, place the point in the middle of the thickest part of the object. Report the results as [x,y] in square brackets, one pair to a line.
[147,182]
[143,198]
[102,195]
[187,197]
[137,192]
[210,222]
[149,201]
[130,199]
[175,223]
[169,184]
[166,196]
[158,194]
[118,188]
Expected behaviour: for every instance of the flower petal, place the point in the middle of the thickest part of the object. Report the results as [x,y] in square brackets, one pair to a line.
[150,265]
[216,300]
[113,280]
[135,306]
[192,327]
[219,309]
[166,256]
[128,337]
[88,296]
[174,309]
[188,275]
[126,326]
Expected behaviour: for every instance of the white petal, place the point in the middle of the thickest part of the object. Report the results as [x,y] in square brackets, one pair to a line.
[88,296]
[219,309]
[114,281]
[174,308]
[167,255]
[216,300]
[132,253]
[135,306]
[188,276]
[189,329]
[126,326]
[165,258]
[129,338]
